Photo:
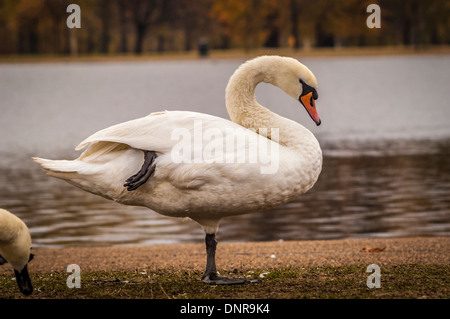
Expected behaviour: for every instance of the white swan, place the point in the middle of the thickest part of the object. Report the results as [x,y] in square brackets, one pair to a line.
[189,170]
[15,244]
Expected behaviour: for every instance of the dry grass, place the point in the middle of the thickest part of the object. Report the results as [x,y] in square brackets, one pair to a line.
[343,282]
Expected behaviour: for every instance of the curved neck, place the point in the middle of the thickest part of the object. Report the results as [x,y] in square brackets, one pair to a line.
[246,111]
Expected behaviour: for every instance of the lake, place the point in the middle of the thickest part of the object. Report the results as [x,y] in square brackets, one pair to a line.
[385,135]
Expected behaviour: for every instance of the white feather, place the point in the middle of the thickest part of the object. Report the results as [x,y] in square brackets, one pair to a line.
[202,182]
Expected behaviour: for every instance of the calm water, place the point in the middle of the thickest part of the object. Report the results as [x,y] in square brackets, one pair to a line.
[385,136]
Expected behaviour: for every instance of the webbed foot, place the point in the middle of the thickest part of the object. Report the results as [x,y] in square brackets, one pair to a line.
[144,174]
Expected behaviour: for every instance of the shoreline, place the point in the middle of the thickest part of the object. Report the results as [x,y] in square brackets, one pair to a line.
[245,255]
[230,54]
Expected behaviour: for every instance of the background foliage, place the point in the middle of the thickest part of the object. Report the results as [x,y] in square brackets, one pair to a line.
[136,26]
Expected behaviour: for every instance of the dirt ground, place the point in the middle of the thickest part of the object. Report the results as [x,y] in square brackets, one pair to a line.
[395,251]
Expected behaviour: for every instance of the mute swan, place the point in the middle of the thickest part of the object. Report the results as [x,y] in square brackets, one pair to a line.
[15,243]
[207,182]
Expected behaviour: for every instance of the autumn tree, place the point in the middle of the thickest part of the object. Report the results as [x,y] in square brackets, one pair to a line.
[192,17]
[110,26]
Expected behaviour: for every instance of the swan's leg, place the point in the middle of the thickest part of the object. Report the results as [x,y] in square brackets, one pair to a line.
[211,244]
[210,275]
[144,174]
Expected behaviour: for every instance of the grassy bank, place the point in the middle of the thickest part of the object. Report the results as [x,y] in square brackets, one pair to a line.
[397,281]
[231,54]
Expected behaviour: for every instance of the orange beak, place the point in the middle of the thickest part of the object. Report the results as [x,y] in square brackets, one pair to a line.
[308,102]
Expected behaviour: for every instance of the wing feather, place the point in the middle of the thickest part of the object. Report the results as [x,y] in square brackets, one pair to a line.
[153,132]
[158,132]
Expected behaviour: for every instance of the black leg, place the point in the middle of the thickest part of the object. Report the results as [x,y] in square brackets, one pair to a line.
[144,174]
[211,244]
[210,275]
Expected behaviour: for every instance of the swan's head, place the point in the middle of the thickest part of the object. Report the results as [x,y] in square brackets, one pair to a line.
[22,277]
[15,244]
[286,73]
[296,80]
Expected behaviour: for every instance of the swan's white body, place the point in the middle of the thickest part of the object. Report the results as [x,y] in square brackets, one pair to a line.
[15,244]
[209,189]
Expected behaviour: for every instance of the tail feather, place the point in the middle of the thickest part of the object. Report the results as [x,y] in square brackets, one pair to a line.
[57,166]
[100,170]
[74,172]
[63,169]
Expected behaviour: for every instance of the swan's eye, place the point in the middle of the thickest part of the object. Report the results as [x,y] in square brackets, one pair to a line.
[307,89]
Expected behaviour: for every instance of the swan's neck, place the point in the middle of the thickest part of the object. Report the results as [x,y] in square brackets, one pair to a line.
[305,159]
[246,111]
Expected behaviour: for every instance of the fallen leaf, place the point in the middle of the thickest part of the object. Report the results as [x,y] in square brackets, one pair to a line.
[374,249]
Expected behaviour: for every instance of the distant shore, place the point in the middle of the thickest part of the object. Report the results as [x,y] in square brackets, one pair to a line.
[230,54]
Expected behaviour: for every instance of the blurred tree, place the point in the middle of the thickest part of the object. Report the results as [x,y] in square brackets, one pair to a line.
[271,13]
[192,17]
[104,11]
[28,14]
[123,27]
[143,14]
[294,16]
[38,26]
[8,26]
[250,23]
[418,23]
[230,15]
[58,36]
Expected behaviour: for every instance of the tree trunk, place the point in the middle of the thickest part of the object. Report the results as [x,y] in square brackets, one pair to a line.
[140,34]
[105,17]
[123,48]
[294,23]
